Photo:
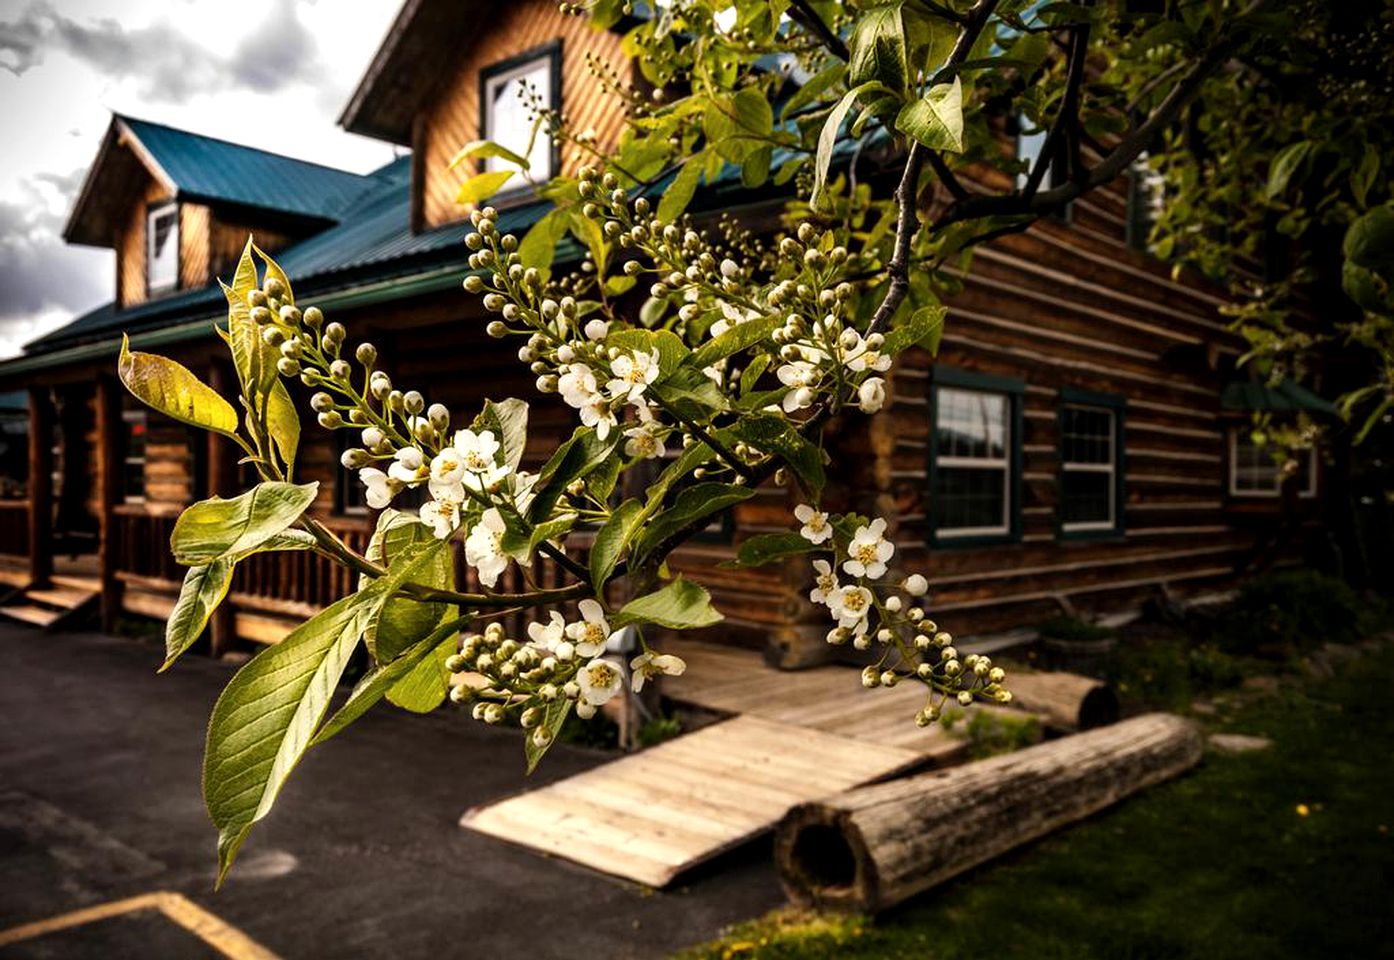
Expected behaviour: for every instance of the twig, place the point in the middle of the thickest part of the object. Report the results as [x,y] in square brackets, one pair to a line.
[808,17]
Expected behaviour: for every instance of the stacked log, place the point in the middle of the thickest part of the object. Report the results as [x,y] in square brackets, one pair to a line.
[1068,701]
[871,848]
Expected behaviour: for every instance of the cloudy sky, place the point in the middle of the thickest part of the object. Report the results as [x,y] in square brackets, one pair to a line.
[269,73]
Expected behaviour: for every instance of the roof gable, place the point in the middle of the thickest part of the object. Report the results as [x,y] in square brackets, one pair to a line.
[205,169]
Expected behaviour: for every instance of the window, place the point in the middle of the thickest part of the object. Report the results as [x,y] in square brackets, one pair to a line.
[1254,471]
[162,248]
[1091,471]
[350,496]
[1146,199]
[1030,142]
[973,467]
[511,92]
[133,438]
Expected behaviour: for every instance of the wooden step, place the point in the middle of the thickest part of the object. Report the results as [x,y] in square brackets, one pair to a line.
[74,581]
[652,815]
[66,598]
[30,613]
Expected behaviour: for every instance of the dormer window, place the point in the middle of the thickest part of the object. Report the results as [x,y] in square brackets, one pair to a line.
[162,248]
[511,93]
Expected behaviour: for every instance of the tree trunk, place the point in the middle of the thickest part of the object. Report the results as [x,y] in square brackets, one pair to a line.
[1068,701]
[871,848]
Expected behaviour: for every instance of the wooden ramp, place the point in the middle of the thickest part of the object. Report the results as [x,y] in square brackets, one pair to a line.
[650,816]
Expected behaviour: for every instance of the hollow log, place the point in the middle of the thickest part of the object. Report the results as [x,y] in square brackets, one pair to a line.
[1068,701]
[871,848]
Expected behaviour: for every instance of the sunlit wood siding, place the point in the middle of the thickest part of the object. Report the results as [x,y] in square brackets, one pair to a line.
[451,117]
[194,221]
[131,287]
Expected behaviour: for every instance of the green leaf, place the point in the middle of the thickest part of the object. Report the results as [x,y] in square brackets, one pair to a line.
[267,714]
[274,272]
[755,168]
[680,192]
[253,359]
[403,620]
[217,528]
[283,422]
[426,685]
[376,683]
[816,85]
[775,435]
[1362,178]
[204,588]
[741,336]
[480,149]
[611,540]
[482,186]
[539,246]
[552,721]
[681,605]
[936,119]
[1285,165]
[827,141]
[691,393]
[170,388]
[619,285]
[508,419]
[877,48]
[693,504]
[925,327]
[671,350]
[766,548]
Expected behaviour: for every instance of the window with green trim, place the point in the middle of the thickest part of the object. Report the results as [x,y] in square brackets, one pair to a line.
[1088,468]
[973,462]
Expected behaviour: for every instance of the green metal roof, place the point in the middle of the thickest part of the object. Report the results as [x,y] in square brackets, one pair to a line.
[1287,395]
[206,168]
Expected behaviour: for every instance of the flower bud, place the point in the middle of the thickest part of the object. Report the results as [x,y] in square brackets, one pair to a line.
[367,354]
[313,318]
[915,585]
[288,367]
[354,458]
[290,314]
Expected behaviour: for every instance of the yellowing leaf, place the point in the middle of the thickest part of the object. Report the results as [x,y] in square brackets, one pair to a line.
[481,187]
[936,119]
[170,388]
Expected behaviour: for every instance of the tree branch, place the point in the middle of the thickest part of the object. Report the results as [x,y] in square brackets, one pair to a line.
[805,15]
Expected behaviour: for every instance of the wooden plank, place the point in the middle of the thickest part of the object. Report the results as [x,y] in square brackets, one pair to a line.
[651,816]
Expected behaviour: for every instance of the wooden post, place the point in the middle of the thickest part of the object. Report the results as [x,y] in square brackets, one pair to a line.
[40,487]
[222,482]
[871,848]
[108,494]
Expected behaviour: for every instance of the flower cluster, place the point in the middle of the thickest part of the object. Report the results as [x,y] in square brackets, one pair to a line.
[562,663]
[405,444]
[869,609]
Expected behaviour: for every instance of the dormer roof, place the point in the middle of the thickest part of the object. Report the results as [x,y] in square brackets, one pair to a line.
[206,170]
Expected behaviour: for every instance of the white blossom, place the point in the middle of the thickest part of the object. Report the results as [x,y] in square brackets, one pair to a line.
[643,441]
[916,585]
[442,516]
[483,547]
[548,635]
[597,413]
[816,528]
[599,681]
[799,376]
[576,384]
[477,453]
[632,375]
[380,488]
[850,606]
[824,584]
[648,665]
[869,550]
[590,632]
[871,395]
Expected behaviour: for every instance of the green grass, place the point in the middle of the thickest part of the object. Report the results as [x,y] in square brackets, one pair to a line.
[1222,863]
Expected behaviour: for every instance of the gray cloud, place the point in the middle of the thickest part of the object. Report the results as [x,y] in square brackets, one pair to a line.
[41,273]
[168,66]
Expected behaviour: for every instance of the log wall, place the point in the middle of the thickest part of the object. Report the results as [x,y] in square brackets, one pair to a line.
[451,117]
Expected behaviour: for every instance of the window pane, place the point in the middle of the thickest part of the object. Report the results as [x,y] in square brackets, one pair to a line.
[1086,435]
[508,122]
[970,423]
[1086,496]
[1255,470]
[970,497]
[133,454]
[163,266]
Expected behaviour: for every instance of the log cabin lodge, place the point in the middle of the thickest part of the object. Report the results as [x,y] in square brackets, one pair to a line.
[1079,444]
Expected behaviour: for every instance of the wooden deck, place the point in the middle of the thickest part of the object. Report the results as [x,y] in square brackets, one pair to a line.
[794,737]
[652,815]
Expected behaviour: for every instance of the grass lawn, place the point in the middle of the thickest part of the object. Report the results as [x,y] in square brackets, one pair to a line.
[1274,854]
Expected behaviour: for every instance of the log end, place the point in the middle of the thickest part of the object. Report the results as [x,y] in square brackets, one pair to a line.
[823,861]
[1099,708]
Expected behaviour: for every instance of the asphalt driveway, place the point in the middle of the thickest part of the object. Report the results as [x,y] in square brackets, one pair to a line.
[99,801]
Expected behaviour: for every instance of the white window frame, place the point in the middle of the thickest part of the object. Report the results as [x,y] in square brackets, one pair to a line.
[129,417]
[1145,185]
[1305,493]
[490,87]
[1003,463]
[153,215]
[1110,468]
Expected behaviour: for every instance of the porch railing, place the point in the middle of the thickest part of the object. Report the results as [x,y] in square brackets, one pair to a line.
[298,582]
